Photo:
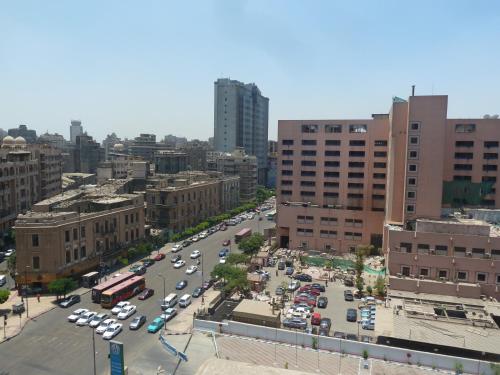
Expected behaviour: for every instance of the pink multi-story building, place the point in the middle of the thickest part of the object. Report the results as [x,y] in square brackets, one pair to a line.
[384,180]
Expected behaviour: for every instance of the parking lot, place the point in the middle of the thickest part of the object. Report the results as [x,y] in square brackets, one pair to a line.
[336,309]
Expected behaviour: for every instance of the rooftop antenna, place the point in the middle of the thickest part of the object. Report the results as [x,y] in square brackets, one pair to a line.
[412,90]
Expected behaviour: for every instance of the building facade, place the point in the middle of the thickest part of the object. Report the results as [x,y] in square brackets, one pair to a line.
[50,169]
[170,161]
[24,132]
[75,130]
[241,120]
[197,152]
[88,154]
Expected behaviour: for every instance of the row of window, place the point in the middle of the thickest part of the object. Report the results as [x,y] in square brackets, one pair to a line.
[314,128]
[327,184]
[486,144]
[468,167]
[444,274]
[470,155]
[333,142]
[305,219]
[353,154]
[458,251]
[306,232]
[288,172]
[330,194]
[334,164]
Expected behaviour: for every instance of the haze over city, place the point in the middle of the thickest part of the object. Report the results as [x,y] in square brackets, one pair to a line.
[120,66]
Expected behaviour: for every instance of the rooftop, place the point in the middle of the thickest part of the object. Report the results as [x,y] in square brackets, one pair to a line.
[248,307]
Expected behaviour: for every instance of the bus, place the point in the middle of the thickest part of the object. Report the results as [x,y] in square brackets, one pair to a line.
[271,215]
[98,289]
[90,279]
[245,232]
[123,291]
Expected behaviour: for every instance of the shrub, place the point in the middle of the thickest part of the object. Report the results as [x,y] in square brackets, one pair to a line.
[369,290]
[365,354]
[4,295]
[62,286]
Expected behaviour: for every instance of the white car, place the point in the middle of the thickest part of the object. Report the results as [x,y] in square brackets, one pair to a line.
[195,238]
[176,248]
[195,254]
[222,260]
[126,312]
[203,235]
[84,319]
[76,315]
[191,269]
[112,331]
[9,252]
[97,319]
[104,326]
[119,306]
[179,263]
[169,313]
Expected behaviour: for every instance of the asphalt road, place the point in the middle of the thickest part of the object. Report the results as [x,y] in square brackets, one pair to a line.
[51,345]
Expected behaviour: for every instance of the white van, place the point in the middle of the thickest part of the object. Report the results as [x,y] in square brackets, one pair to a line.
[170,301]
[185,300]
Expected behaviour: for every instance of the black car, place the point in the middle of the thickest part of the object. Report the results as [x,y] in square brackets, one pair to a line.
[303,277]
[281,266]
[351,336]
[186,243]
[349,282]
[146,293]
[181,284]
[198,292]
[348,296]
[352,315]
[207,284]
[324,326]
[70,300]
[320,287]
[322,302]
[148,262]
[137,322]
[175,258]
[339,335]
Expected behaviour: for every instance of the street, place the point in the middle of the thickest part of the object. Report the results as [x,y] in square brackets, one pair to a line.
[50,344]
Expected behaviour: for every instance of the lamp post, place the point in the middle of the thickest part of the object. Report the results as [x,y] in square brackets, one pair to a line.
[26,289]
[163,277]
[93,350]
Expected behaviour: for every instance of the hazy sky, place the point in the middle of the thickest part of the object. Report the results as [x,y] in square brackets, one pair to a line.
[148,66]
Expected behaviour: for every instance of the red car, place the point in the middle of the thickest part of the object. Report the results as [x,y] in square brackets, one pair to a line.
[146,293]
[160,256]
[311,291]
[311,301]
[301,299]
[316,319]
[226,243]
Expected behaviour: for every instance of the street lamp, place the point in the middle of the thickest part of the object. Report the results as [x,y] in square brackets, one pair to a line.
[26,289]
[163,277]
[93,350]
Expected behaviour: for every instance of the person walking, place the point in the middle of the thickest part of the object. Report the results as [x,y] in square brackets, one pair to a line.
[38,297]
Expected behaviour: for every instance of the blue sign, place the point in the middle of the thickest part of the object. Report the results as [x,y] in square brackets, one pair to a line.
[169,348]
[116,358]
[182,356]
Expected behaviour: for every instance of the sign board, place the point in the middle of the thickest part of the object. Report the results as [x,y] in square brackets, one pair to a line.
[182,356]
[116,358]
[169,348]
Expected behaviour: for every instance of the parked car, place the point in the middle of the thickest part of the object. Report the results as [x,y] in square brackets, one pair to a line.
[352,315]
[207,284]
[294,285]
[191,269]
[186,243]
[348,296]
[322,302]
[198,292]
[304,306]
[176,248]
[351,336]
[181,284]
[222,260]
[365,338]
[138,269]
[119,306]
[349,282]
[195,254]
[146,293]
[281,266]
[70,300]
[112,331]
[156,325]
[318,286]
[104,326]
[169,314]
[324,326]
[179,263]
[9,252]
[339,335]
[97,320]
[195,238]
[148,262]
[280,291]
[137,322]
[303,277]
[126,312]
[316,319]
[76,315]
[223,252]
[175,258]
[289,271]
[85,318]
[299,323]
[159,256]
[226,242]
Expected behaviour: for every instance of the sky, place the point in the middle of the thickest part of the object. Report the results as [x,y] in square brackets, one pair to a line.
[133,67]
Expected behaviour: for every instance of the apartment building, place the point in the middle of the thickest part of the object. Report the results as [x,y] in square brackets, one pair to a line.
[170,161]
[50,169]
[331,183]
[72,234]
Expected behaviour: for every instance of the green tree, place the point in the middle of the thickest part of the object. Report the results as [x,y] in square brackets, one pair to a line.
[234,258]
[380,286]
[235,277]
[62,286]
[359,265]
[262,194]
[252,243]
[369,290]
[11,265]
[4,295]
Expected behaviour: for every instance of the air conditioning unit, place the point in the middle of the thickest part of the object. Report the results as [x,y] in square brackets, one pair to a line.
[399,275]
[442,278]
[487,255]
[421,277]
[432,251]
[468,253]
[412,276]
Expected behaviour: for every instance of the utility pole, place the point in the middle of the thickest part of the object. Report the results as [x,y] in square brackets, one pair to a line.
[26,289]
[93,350]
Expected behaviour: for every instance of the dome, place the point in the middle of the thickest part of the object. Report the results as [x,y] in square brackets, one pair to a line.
[8,140]
[118,147]
[20,141]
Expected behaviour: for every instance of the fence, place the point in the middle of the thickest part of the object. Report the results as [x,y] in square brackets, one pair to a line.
[344,264]
[382,352]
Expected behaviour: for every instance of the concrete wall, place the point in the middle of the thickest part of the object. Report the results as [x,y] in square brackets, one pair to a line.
[344,346]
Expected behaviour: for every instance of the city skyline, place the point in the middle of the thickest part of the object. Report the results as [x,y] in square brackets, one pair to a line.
[122,73]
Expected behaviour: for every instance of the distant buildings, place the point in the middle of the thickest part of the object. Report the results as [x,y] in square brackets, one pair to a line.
[272,149]
[145,146]
[88,154]
[241,120]
[197,154]
[174,142]
[23,131]
[75,130]
[170,161]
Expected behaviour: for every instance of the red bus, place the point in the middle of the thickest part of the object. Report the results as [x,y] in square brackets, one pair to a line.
[123,291]
[245,232]
[98,289]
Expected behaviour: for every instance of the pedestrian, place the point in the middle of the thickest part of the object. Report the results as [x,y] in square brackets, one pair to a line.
[326,282]
[276,273]
[38,297]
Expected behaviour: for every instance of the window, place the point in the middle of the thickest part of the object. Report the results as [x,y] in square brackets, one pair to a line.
[308,173]
[462,275]
[126,236]
[412,167]
[308,163]
[405,271]
[423,248]
[330,194]
[333,128]
[332,153]
[331,174]
[330,184]
[307,183]
[405,247]
[481,277]
[75,254]
[464,155]
[287,142]
[286,172]
[330,163]
[308,142]
[380,143]
[68,257]
[354,195]
[286,192]
[498,278]
[462,178]
[308,153]
[306,193]
[410,194]
[306,128]
[328,233]
[66,236]
[332,142]
[413,154]
[465,128]
[424,272]
[305,219]
[357,128]
[414,140]
[287,162]
[378,186]
[287,152]
[126,219]
[380,154]
[137,217]
[462,167]
[415,126]
[357,142]
[356,175]
[34,240]
[443,274]
[353,222]
[490,144]
[328,221]
[464,144]
[459,251]
[75,234]
[379,175]
[489,167]
[378,197]
[304,232]
[357,154]
[410,208]
[478,253]
[379,165]
[83,252]
[35,262]
[489,179]
[132,216]
[82,231]
[356,164]
[490,155]
[355,185]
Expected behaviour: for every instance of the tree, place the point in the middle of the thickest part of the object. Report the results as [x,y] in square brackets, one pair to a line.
[380,286]
[359,265]
[369,290]
[234,258]
[62,286]
[252,243]
[235,277]
[262,194]
[4,295]
[11,265]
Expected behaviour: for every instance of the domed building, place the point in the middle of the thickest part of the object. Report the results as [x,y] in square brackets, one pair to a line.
[119,147]
[8,142]
[19,142]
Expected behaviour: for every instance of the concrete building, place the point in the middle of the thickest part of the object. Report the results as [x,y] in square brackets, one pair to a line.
[24,132]
[79,232]
[241,120]
[71,181]
[197,154]
[120,166]
[55,140]
[50,169]
[238,163]
[170,161]
[177,202]
[88,154]
[75,130]
[145,146]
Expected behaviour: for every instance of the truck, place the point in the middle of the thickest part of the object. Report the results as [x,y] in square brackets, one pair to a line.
[245,232]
